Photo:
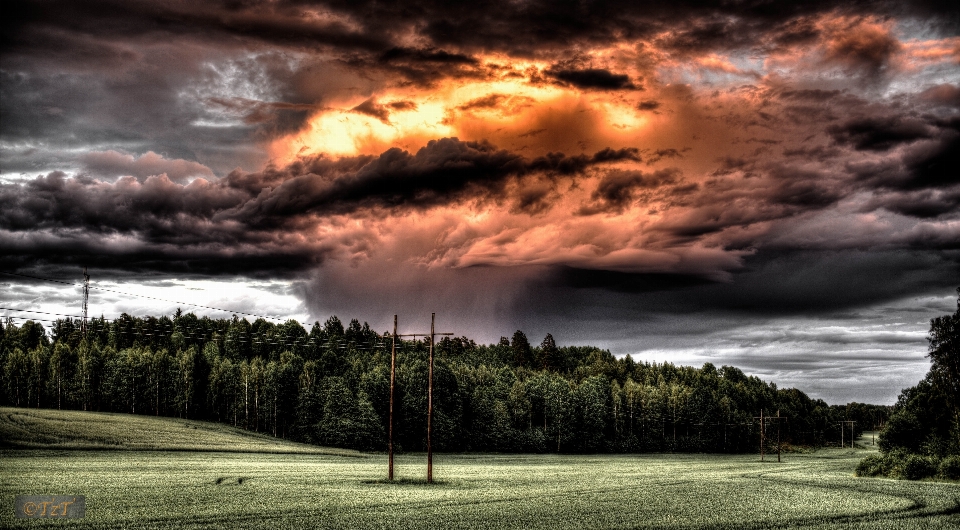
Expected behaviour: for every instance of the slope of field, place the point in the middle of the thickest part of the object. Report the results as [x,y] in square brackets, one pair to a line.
[71,429]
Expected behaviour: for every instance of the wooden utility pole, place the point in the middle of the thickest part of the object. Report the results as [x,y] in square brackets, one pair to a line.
[433,317]
[779,419]
[762,439]
[851,422]
[393,371]
[433,334]
[778,436]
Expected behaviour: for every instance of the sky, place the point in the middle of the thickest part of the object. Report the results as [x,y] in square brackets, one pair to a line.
[768,185]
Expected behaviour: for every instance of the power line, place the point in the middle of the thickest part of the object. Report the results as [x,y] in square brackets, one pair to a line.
[38,312]
[145,296]
[36,278]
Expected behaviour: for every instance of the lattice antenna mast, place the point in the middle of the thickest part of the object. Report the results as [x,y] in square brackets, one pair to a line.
[86,297]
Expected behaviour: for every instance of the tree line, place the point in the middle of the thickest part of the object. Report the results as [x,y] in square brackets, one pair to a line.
[922,437]
[331,385]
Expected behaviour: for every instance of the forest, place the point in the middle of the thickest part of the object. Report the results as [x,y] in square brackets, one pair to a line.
[331,385]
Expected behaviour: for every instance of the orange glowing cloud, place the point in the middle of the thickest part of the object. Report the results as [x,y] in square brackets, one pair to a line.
[514,108]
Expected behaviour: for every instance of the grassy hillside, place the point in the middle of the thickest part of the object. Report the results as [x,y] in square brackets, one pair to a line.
[70,429]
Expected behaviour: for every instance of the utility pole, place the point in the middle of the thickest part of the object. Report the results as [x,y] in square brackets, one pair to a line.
[86,296]
[393,371]
[393,376]
[762,437]
[778,436]
[779,419]
[851,422]
[433,334]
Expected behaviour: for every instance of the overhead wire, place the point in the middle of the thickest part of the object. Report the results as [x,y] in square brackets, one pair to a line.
[145,296]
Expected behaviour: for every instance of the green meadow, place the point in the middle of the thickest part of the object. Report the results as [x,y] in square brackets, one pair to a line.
[176,484]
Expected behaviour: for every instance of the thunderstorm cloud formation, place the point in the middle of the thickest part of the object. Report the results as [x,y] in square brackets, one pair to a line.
[768,185]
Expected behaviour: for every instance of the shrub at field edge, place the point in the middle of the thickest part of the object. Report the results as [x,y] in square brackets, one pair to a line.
[950,468]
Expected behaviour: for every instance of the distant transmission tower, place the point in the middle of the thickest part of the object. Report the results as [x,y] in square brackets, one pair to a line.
[86,296]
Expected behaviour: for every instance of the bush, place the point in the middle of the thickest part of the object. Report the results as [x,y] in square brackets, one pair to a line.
[914,467]
[903,432]
[872,466]
[950,468]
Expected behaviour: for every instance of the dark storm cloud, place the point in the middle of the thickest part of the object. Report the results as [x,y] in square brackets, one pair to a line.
[744,192]
[923,204]
[527,28]
[371,108]
[382,111]
[618,189]
[442,172]
[796,187]
[239,217]
[64,256]
[935,164]
[449,27]
[277,23]
[591,78]
[929,159]
[485,102]
[400,54]
[788,282]
[712,32]
[879,134]
[420,66]
[402,105]
[660,154]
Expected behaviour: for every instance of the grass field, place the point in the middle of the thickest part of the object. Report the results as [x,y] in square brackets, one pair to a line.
[73,429]
[190,489]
